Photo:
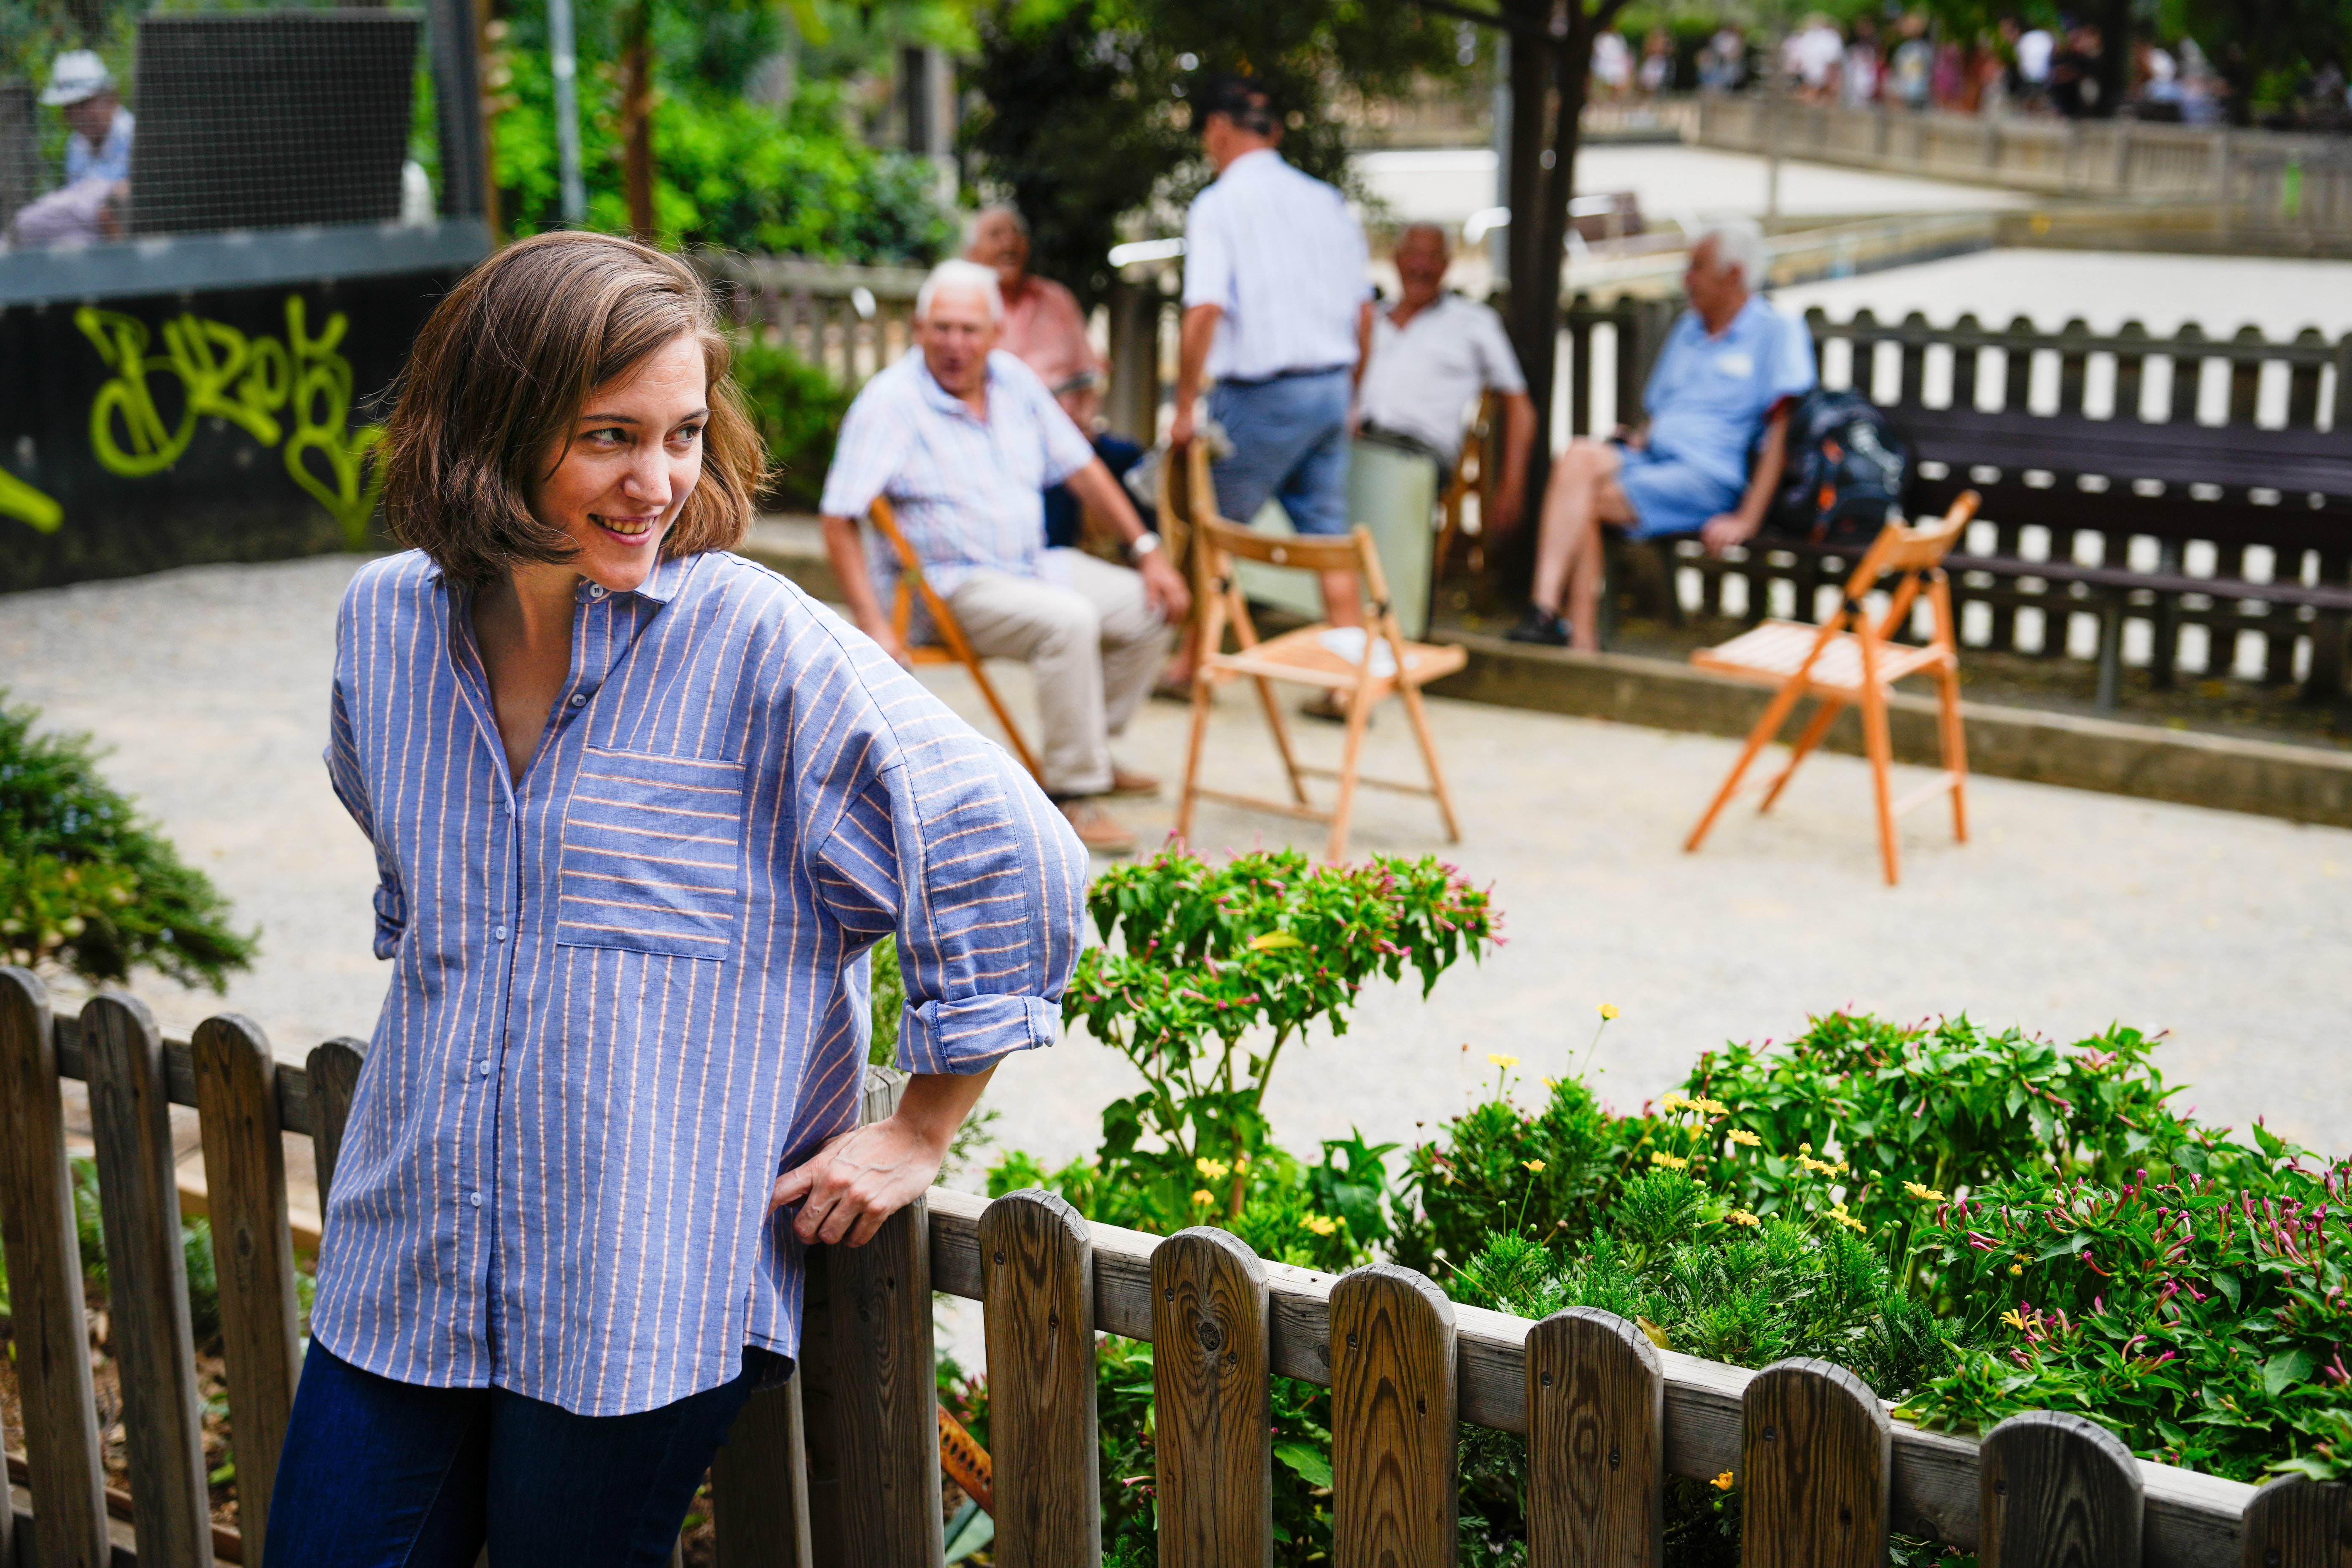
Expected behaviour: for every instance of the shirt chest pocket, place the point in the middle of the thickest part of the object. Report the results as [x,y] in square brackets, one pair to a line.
[653,856]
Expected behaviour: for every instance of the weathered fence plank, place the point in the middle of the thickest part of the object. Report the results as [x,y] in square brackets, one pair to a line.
[1036,1269]
[51,1329]
[1393,1436]
[758,1485]
[2293,1522]
[1213,1421]
[253,1252]
[147,1283]
[1816,1451]
[2058,1491]
[334,1078]
[1596,1443]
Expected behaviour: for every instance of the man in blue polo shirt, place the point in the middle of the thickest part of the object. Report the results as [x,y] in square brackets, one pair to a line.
[1721,390]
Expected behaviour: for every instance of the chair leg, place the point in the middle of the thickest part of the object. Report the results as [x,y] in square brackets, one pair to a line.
[1419,717]
[1882,783]
[1204,697]
[1359,714]
[1815,728]
[1775,715]
[1005,718]
[1275,721]
[1955,749]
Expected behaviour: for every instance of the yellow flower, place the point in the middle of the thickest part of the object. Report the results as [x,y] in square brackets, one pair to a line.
[1925,1195]
[1496,1059]
[1837,1213]
[2013,1321]
[1660,1157]
[2017,1269]
[1204,1196]
[1722,1483]
[1710,1106]
[1534,1166]
[1319,1225]
[1741,1136]
[1671,1103]
[1740,1217]
[1607,1010]
[1807,1162]
[1804,1148]
[1216,1169]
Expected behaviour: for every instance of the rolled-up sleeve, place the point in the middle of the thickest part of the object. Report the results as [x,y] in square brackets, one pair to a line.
[984,882]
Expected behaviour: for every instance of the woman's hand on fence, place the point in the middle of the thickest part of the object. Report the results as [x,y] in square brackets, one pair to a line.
[868,1174]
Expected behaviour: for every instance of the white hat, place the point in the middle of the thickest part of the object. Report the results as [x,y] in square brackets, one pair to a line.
[77,75]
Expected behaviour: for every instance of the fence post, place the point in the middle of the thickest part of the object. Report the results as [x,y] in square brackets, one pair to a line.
[147,1280]
[334,1072]
[1596,1443]
[44,1257]
[2295,1522]
[758,1485]
[2057,1491]
[252,1253]
[1215,1421]
[1815,1463]
[1393,1388]
[868,1394]
[1037,1296]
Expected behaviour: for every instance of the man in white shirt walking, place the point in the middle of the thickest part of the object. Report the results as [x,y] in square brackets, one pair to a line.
[1277,307]
[1434,354]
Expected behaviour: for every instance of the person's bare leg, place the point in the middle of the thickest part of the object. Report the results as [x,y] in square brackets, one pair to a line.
[1343,598]
[1583,494]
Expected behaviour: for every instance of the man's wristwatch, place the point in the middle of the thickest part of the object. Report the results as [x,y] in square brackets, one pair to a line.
[1141,545]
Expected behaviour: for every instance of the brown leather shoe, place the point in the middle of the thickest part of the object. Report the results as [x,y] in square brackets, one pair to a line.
[1125,783]
[1097,829]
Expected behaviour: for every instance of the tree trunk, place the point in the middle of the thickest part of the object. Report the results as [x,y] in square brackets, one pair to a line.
[637,118]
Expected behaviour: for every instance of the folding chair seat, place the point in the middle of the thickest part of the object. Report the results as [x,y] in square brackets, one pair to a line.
[953,647]
[1363,669]
[1851,659]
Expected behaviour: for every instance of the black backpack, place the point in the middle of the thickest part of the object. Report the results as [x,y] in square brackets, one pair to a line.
[1845,474]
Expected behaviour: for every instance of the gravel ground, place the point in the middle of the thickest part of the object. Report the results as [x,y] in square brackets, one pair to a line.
[2069,909]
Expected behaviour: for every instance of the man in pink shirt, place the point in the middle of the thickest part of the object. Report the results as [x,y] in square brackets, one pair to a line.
[1044,330]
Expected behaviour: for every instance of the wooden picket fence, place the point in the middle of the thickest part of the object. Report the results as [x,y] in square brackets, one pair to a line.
[842,1466]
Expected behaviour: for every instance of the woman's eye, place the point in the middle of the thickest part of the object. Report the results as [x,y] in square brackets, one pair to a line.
[686,435]
[609,438]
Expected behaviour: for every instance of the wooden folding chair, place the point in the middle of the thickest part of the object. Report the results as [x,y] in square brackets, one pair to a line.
[953,647]
[1302,658]
[1860,665]
[1475,472]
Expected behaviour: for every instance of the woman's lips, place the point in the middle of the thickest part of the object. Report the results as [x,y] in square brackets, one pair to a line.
[627,530]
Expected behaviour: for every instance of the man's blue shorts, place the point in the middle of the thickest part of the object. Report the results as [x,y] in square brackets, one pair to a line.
[1668,494]
[1290,445]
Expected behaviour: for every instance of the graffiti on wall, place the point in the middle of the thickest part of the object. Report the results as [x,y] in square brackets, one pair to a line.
[293,393]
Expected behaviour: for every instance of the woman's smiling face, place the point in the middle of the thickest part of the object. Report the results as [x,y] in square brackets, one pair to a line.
[634,455]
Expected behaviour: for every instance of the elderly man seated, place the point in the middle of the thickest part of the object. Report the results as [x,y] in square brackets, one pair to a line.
[87,208]
[1433,354]
[963,439]
[1720,391]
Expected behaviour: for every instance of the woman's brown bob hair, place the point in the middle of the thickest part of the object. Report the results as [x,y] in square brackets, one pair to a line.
[498,380]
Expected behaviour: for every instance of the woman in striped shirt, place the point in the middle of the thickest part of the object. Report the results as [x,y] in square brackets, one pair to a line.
[639,809]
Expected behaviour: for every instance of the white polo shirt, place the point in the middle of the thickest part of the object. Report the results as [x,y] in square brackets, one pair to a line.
[1282,254]
[1426,375]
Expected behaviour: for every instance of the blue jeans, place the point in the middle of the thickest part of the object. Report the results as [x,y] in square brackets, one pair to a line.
[1064,518]
[1290,444]
[379,1473]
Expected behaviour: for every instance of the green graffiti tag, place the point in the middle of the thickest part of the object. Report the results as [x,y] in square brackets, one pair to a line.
[248,382]
[23,502]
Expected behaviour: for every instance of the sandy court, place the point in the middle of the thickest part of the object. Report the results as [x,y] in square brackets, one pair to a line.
[2069,909]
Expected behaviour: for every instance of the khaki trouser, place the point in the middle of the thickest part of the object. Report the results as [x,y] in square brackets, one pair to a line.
[1092,648]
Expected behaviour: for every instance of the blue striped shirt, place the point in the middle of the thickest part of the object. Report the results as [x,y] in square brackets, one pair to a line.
[969,492]
[630,989]
[1280,253]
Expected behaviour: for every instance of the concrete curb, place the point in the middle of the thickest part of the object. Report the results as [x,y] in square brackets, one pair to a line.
[2261,777]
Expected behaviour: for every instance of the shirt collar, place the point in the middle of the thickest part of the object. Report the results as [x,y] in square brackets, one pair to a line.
[1254,159]
[662,584]
[939,397]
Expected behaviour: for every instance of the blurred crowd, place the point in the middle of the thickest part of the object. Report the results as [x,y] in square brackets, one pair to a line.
[1907,59]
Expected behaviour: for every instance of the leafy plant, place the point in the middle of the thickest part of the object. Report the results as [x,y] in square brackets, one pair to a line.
[798,408]
[85,884]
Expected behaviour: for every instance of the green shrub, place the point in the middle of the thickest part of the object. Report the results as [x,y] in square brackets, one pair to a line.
[85,886]
[798,408]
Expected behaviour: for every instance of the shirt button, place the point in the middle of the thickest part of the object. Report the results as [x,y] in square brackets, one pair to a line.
[580,700]
[500,934]
[475,1199]
[596,590]
[486,1067]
